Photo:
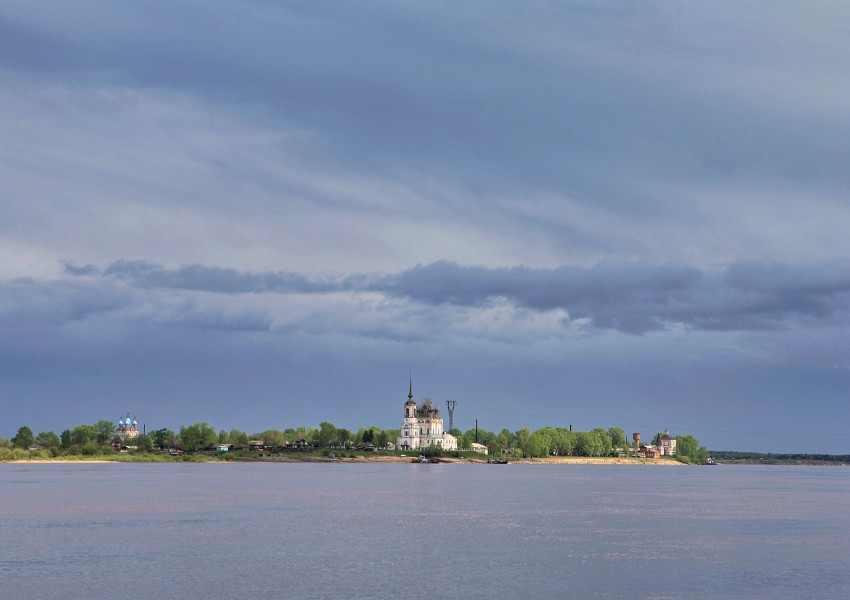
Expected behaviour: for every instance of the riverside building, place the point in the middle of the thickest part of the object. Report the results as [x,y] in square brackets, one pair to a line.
[128,429]
[422,427]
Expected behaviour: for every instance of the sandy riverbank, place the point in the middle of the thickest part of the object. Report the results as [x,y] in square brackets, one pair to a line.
[553,460]
[59,460]
[584,460]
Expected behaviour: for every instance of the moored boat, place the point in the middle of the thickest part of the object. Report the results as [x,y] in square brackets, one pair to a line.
[425,459]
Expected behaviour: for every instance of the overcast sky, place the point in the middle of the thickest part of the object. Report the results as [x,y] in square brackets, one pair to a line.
[267,214]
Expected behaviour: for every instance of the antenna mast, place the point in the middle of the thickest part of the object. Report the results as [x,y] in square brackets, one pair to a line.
[450,406]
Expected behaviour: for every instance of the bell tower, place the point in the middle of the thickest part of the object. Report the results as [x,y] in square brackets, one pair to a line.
[410,405]
[409,438]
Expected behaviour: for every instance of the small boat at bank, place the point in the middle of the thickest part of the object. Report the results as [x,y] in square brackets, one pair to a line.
[710,461]
[425,459]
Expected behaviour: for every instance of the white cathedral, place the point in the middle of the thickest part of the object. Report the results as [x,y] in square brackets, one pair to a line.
[422,427]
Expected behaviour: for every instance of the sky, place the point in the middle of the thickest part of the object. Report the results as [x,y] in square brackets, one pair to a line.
[273,214]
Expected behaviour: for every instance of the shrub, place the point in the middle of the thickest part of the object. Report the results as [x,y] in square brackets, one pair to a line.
[432,451]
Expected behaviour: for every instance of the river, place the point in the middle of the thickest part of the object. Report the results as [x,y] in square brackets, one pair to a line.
[221,531]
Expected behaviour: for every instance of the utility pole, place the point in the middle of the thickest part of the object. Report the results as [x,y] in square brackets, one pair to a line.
[450,406]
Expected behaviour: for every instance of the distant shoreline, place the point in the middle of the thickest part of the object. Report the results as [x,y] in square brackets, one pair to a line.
[310,458]
[562,460]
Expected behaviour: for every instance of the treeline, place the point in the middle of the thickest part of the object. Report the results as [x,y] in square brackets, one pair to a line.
[101,439]
[771,457]
[326,434]
[560,441]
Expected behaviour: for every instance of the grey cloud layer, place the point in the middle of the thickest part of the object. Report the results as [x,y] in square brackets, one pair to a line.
[623,132]
[632,298]
[211,279]
[556,95]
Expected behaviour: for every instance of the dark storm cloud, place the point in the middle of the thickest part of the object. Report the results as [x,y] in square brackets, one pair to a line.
[79,271]
[639,297]
[212,279]
[30,302]
[633,297]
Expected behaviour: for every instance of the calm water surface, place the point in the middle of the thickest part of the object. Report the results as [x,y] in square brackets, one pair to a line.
[226,531]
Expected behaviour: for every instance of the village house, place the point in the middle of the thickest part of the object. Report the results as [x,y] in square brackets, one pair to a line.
[667,444]
[648,452]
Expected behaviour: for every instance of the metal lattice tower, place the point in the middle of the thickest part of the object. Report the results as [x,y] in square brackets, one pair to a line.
[450,406]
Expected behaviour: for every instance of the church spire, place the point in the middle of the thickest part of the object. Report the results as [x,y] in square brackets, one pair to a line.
[410,394]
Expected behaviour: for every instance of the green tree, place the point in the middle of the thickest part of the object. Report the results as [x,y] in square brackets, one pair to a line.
[49,439]
[105,431]
[592,443]
[506,438]
[603,440]
[564,441]
[538,444]
[145,443]
[383,439]
[688,446]
[522,437]
[92,448]
[344,436]
[196,436]
[223,437]
[190,438]
[65,439]
[618,437]
[159,438]
[240,438]
[83,434]
[172,440]
[271,437]
[326,434]
[24,438]
[583,444]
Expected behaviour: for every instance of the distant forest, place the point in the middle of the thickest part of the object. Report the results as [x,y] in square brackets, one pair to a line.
[728,455]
